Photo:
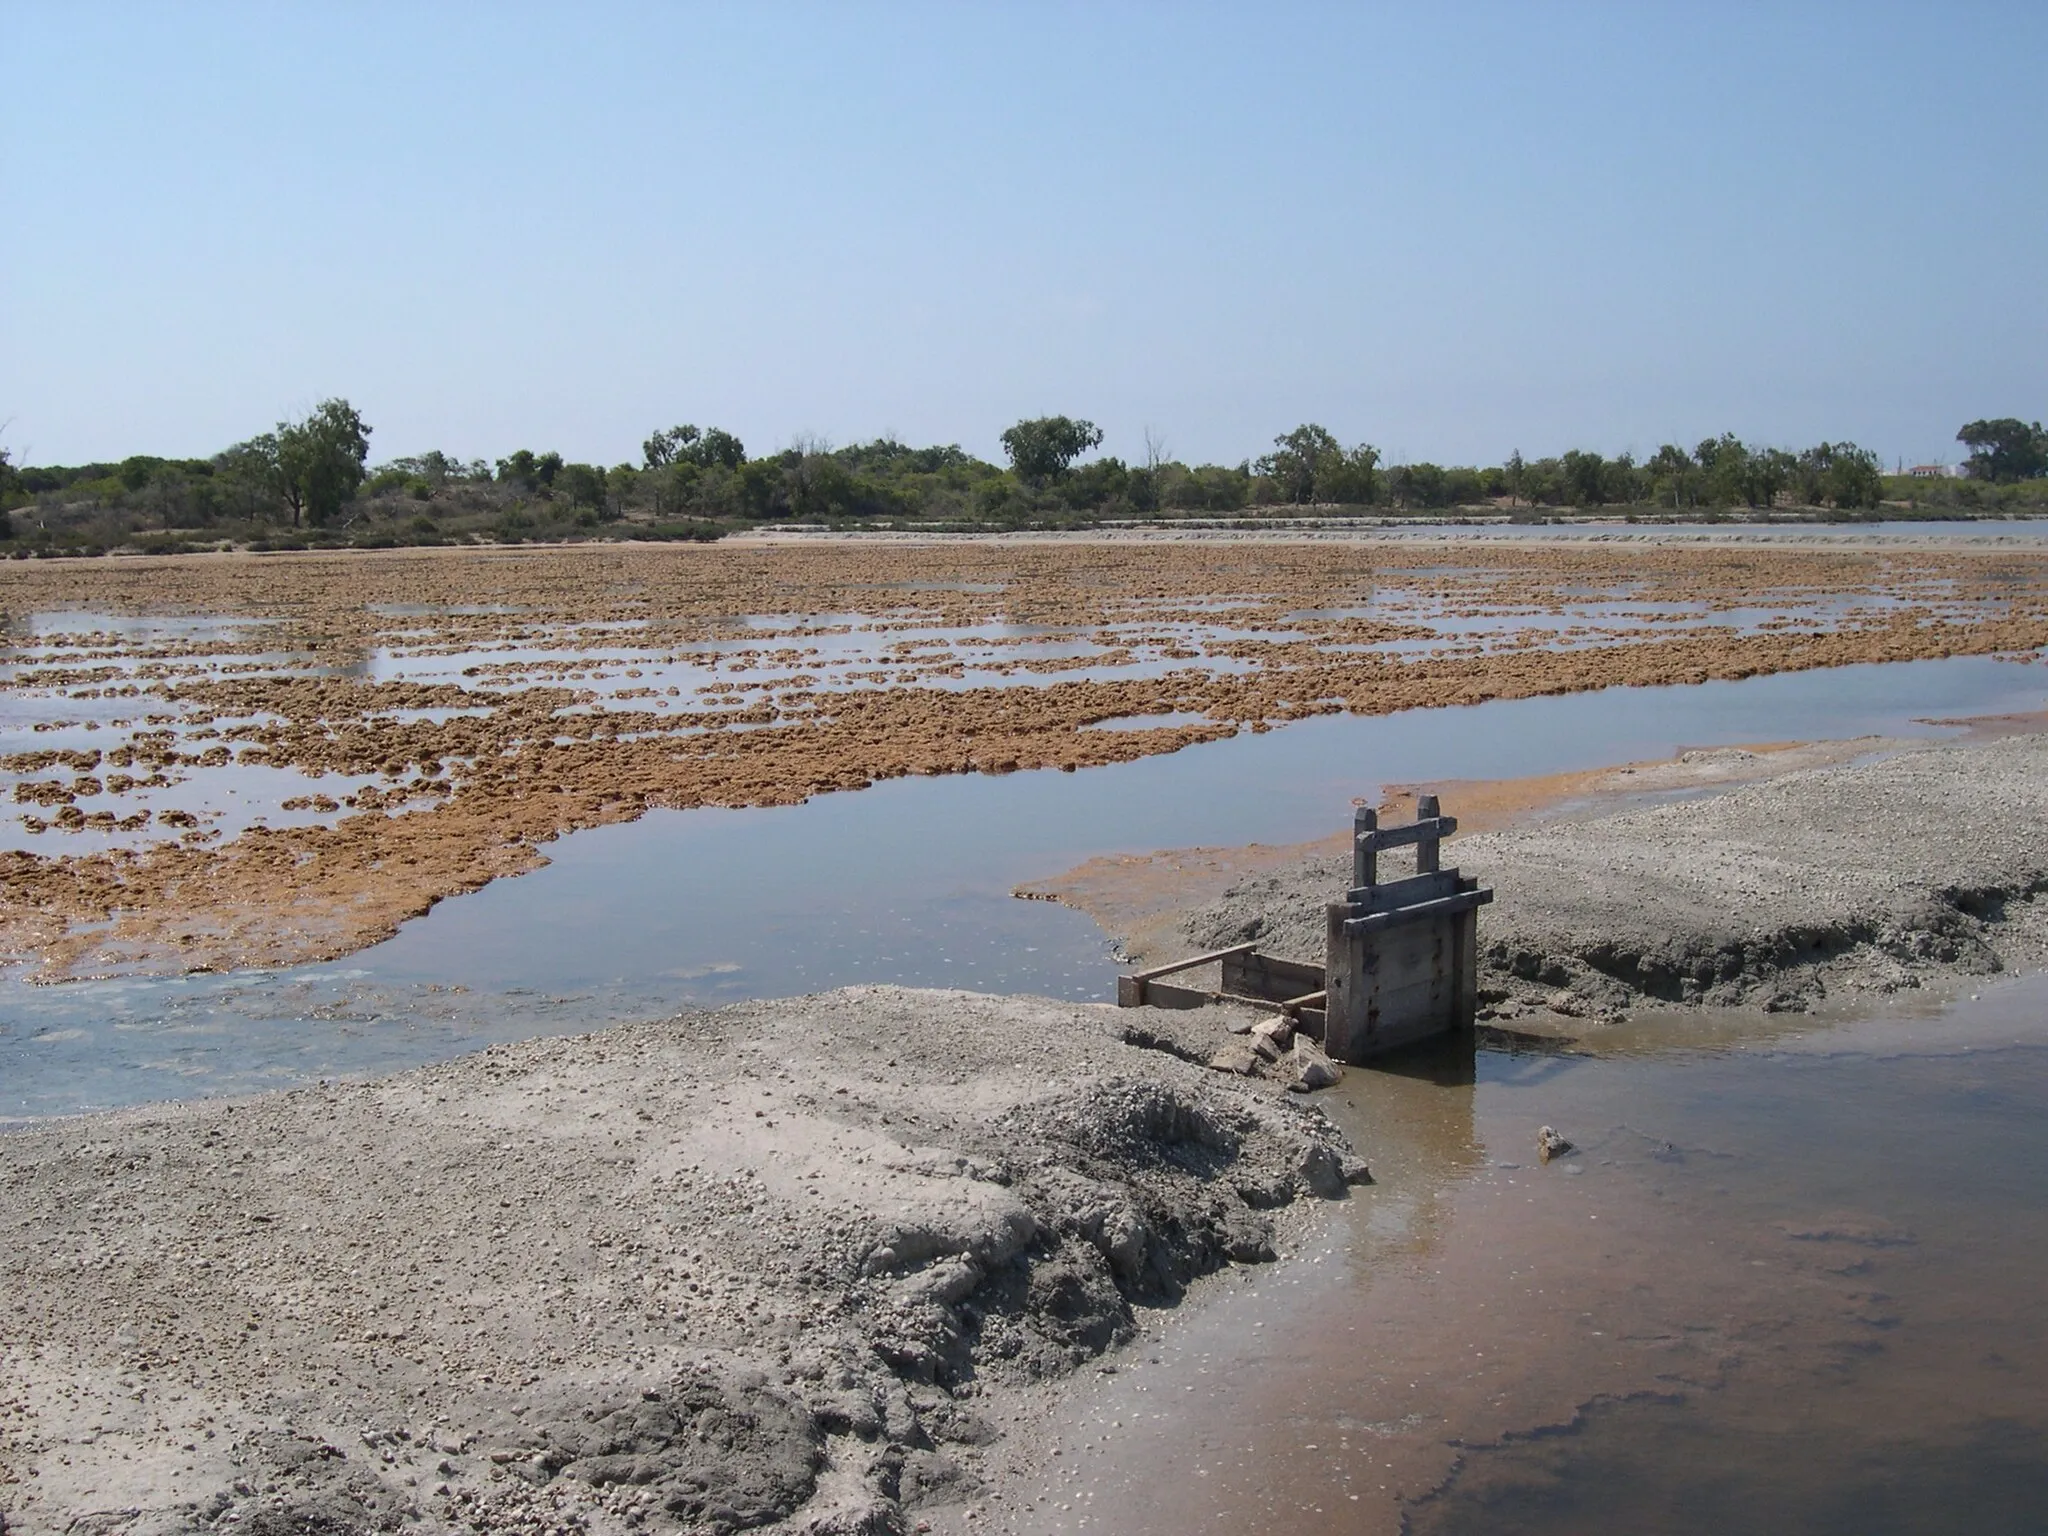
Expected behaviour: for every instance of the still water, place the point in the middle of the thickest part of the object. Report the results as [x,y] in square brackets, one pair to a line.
[908,881]
[1787,1284]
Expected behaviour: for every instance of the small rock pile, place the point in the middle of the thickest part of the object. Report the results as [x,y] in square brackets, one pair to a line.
[1277,1049]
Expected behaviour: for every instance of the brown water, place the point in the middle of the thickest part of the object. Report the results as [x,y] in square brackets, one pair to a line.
[1792,1283]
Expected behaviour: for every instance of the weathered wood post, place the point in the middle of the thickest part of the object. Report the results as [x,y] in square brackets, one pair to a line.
[1426,851]
[1365,857]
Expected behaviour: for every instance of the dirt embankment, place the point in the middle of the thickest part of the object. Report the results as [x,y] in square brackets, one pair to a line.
[1869,876]
[781,1265]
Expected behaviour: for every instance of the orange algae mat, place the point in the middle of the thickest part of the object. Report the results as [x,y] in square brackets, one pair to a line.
[226,761]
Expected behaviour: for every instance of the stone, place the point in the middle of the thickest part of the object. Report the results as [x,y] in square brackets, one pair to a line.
[1279,1029]
[1550,1144]
[1320,1170]
[1312,1069]
[1236,1056]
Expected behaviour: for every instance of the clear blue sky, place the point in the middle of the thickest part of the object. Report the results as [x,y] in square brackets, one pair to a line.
[1448,229]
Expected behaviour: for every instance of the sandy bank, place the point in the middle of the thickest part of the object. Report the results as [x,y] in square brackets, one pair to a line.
[1863,876]
[784,1265]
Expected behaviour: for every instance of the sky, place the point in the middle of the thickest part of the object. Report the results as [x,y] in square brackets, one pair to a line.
[1450,230]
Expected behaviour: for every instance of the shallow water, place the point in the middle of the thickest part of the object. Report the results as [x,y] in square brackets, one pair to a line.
[1621,528]
[97,686]
[1792,1286]
[908,881]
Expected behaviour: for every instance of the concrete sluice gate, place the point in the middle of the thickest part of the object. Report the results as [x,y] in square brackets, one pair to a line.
[1401,963]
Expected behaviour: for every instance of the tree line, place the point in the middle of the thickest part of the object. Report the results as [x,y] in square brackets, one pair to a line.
[310,480]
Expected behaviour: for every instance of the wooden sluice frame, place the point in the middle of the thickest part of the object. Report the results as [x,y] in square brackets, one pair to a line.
[1401,960]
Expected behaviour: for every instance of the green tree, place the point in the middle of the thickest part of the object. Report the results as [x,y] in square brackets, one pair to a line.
[2005,449]
[248,477]
[517,468]
[666,448]
[1675,480]
[528,470]
[1298,459]
[1042,449]
[583,484]
[1351,479]
[686,444]
[1585,479]
[1771,470]
[1097,487]
[320,461]
[719,449]
[1839,475]
[1724,464]
[1417,487]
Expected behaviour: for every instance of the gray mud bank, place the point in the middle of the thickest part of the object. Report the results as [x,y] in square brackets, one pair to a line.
[780,1266]
[1867,877]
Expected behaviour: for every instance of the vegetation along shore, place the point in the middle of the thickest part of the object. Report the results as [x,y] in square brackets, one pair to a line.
[309,483]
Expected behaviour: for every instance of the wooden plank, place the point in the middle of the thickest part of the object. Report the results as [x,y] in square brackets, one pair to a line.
[1402,893]
[1270,976]
[1443,906]
[1364,852]
[1191,963]
[1413,832]
[1164,994]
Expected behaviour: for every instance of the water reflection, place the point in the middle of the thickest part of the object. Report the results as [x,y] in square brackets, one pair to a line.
[1792,1286]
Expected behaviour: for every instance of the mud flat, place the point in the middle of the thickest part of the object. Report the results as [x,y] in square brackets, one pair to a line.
[1872,876]
[224,762]
[784,1264]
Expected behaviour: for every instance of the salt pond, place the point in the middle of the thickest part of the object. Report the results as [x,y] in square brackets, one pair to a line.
[908,881]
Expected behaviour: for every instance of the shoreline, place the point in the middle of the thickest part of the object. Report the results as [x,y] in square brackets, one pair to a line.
[874,1226]
[1867,875]
[753,1266]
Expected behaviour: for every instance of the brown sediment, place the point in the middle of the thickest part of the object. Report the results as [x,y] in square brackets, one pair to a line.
[1242,636]
[1997,727]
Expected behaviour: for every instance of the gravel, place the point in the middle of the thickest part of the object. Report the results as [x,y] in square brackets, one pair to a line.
[781,1265]
[1922,860]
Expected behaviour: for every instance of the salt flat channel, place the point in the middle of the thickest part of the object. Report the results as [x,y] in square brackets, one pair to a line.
[908,881]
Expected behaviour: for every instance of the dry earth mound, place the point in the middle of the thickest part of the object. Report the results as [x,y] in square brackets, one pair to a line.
[1867,876]
[757,1268]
